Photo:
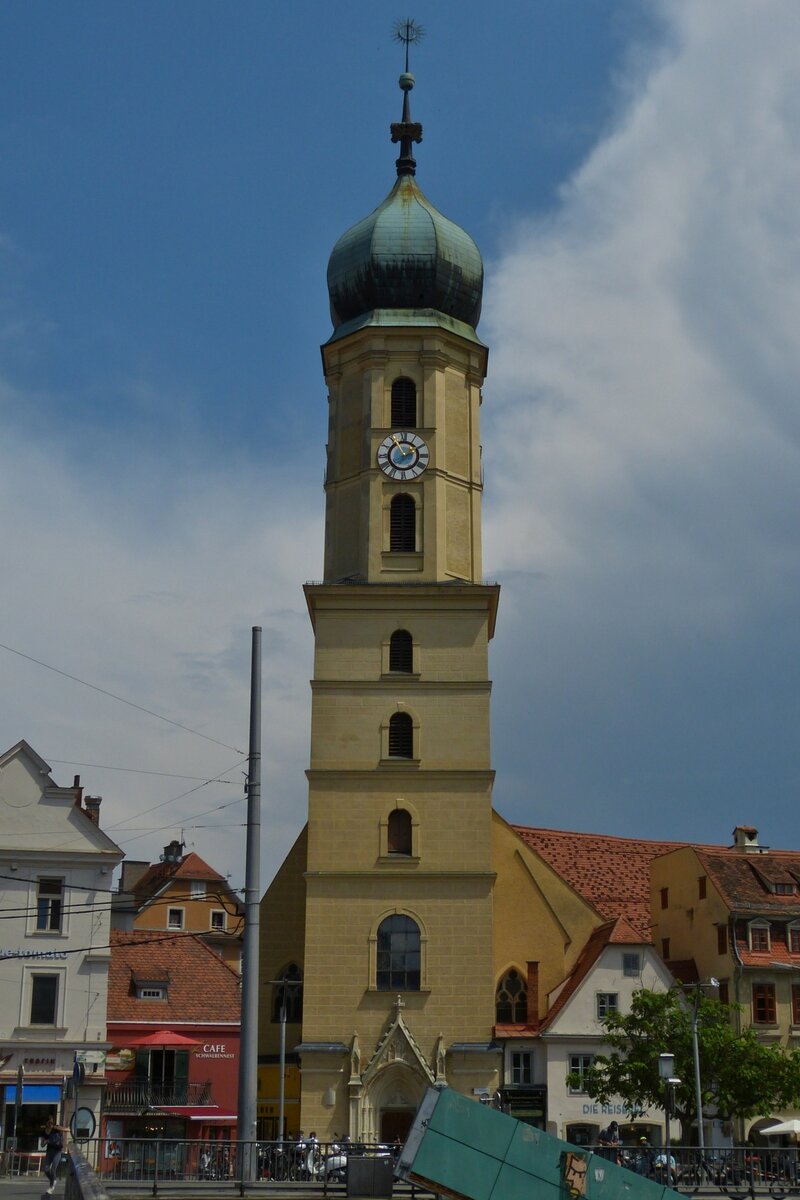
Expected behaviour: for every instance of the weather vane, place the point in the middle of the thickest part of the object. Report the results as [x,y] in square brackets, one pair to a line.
[406,32]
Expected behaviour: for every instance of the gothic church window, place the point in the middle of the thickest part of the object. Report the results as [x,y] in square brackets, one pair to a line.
[288,991]
[401,652]
[403,523]
[399,955]
[401,736]
[404,403]
[399,832]
[511,1000]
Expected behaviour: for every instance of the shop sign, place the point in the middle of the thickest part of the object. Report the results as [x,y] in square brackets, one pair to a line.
[214,1050]
[35,1063]
[49,954]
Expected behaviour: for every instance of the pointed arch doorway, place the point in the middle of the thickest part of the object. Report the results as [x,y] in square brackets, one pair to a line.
[395,1124]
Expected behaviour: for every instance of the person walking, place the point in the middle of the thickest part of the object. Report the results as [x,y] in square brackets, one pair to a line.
[54,1149]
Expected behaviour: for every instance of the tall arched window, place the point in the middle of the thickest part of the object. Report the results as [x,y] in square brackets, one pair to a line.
[401,736]
[404,403]
[401,652]
[511,1000]
[290,991]
[398,962]
[403,523]
[399,832]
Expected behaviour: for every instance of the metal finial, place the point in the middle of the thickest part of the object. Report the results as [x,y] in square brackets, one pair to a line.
[406,32]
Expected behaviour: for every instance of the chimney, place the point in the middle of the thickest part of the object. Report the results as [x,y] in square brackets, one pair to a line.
[91,806]
[173,853]
[76,787]
[533,994]
[745,839]
[132,872]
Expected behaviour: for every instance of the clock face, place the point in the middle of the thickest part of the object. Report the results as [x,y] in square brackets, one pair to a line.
[403,455]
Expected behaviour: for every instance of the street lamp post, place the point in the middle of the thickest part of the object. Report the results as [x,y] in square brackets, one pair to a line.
[666,1069]
[701,983]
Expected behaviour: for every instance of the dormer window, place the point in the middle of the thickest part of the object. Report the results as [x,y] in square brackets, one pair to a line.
[759,936]
[150,987]
[793,938]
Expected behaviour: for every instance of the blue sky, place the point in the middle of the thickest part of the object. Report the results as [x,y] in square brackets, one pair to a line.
[174,177]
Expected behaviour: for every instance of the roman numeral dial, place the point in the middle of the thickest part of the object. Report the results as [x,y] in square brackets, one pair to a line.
[403,455]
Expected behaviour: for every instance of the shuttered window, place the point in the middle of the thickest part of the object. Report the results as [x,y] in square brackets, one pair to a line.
[401,652]
[401,736]
[404,403]
[402,524]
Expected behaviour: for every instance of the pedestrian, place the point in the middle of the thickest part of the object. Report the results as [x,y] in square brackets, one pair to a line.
[54,1149]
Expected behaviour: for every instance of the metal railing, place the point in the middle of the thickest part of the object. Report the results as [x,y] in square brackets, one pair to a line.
[736,1171]
[136,1095]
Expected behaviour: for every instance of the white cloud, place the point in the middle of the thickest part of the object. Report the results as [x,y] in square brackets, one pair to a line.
[642,436]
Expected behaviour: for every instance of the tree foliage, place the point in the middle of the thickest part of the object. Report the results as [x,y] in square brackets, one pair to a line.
[741,1076]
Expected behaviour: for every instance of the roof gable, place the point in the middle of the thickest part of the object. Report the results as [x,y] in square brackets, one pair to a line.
[201,987]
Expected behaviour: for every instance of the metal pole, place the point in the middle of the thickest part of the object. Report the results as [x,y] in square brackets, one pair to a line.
[667,1113]
[697,1088]
[282,1087]
[248,1055]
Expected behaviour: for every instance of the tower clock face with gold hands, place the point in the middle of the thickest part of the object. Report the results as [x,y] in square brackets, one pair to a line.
[403,455]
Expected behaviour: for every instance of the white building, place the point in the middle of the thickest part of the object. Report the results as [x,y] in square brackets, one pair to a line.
[56,866]
[615,964]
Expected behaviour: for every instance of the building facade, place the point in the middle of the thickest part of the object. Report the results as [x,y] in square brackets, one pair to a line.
[56,867]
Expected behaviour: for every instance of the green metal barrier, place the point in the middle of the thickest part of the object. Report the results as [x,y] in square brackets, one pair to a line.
[469,1151]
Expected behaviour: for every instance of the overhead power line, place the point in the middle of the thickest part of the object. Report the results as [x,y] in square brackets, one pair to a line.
[121,699]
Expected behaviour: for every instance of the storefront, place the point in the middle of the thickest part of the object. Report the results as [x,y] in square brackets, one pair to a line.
[25,1121]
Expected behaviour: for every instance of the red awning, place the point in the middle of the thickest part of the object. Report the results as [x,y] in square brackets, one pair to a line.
[209,1114]
[162,1037]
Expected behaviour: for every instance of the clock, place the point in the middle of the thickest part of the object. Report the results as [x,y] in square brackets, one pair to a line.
[403,455]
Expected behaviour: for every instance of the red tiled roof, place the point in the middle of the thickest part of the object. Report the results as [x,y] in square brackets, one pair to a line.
[611,873]
[743,879]
[192,866]
[201,988]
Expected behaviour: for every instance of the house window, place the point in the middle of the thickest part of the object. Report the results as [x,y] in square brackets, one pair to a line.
[403,524]
[607,1002]
[579,1064]
[49,905]
[44,999]
[151,993]
[785,889]
[217,919]
[764,1004]
[722,994]
[794,939]
[404,403]
[701,887]
[722,939]
[399,832]
[399,955]
[665,948]
[665,897]
[521,1067]
[401,652]
[174,918]
[511,1000]
[288,991]
[198,889]
[796,1003]
[759,937]
[401,736]
[631,965]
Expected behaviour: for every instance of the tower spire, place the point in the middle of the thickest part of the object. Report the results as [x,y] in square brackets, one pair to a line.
[406,131]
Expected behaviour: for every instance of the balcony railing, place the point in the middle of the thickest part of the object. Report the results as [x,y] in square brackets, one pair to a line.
[138,1095]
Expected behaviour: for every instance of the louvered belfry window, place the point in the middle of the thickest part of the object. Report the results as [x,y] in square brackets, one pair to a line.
[404,403]
[403,523]
[401,736]
[401,652]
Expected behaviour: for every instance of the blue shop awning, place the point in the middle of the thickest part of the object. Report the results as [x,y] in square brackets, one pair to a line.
[35,1093]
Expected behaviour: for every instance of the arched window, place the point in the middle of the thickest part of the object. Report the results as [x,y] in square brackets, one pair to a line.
[290,992]
[403,523]
[401,736]
[399,832]
[401,652]
[398,962]
[511,1000]
[404,403]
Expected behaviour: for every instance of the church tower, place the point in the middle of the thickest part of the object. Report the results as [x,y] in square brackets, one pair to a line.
[397,967]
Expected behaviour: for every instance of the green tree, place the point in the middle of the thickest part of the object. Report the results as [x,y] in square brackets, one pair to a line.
[740,1075]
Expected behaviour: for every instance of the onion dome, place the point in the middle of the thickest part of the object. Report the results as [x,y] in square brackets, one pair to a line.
[405,263]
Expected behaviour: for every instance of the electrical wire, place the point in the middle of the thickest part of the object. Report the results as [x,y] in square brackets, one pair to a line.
[112,696]
[68,762]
